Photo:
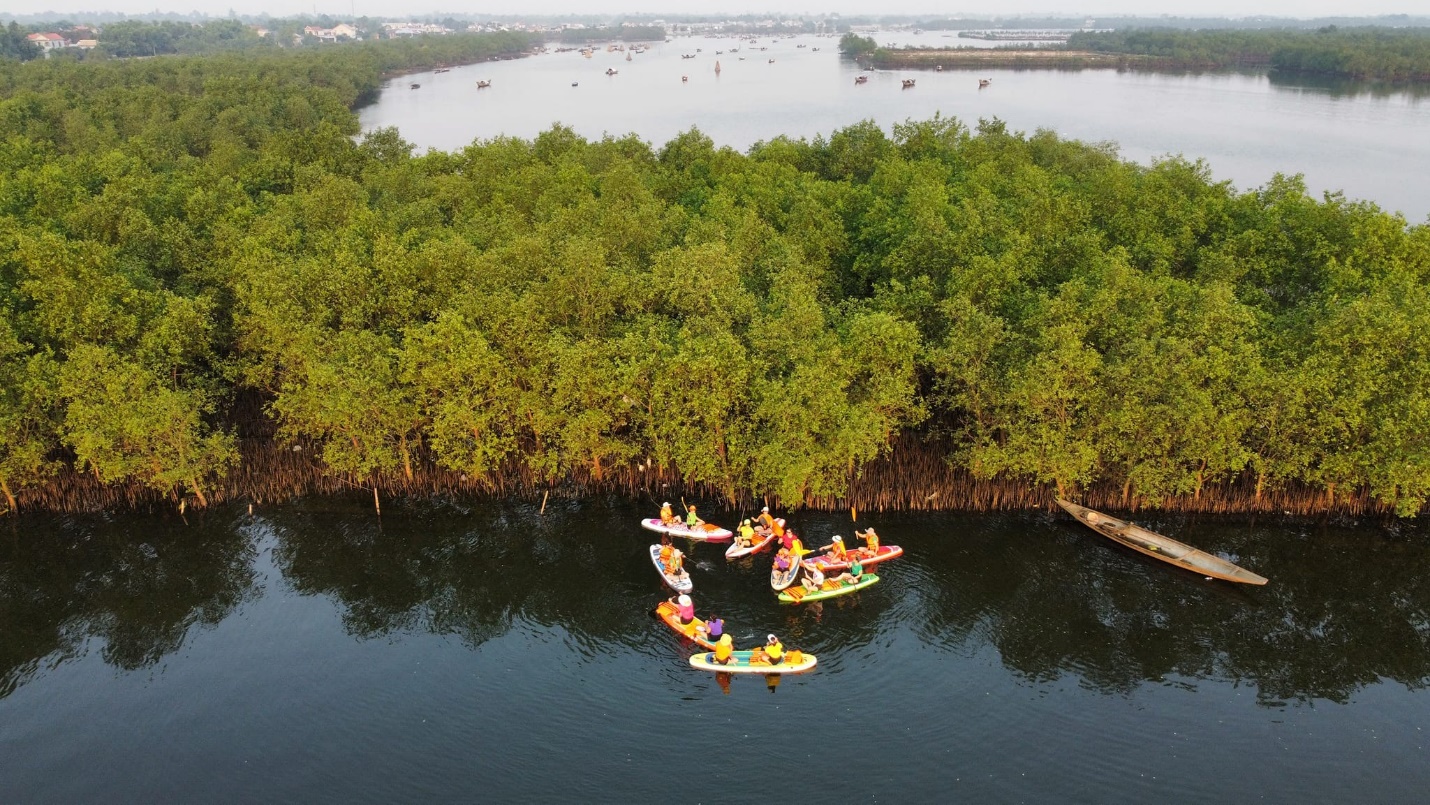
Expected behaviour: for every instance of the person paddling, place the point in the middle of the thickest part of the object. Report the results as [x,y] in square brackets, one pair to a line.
[747,534]
[692,520]
[871,539]
[836,550]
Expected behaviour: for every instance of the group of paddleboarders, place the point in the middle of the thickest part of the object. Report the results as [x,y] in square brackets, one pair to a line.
[790,558]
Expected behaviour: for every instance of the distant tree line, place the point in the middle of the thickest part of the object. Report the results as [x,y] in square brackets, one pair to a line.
[621,33]
[181,237]
[1382,54]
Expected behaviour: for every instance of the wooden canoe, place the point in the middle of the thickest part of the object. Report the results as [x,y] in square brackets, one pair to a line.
[1159,547]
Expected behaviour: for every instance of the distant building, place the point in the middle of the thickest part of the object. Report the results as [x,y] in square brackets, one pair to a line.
[48,42]
[87,44]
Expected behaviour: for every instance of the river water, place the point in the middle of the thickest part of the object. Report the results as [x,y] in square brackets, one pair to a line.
[1366,141]
[484,652]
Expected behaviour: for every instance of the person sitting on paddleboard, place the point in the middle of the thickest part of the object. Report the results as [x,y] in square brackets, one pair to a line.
[677,562]
[684,609]
[692,521]
[765,520]
[774,650]
[853,575]
[813,577]
[747,534]
[782,560]
[837,552]
[785,538]
[713,629]
[872,539]
[667,517]
[724,651]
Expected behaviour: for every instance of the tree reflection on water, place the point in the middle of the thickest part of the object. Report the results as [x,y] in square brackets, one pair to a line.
[1346,607]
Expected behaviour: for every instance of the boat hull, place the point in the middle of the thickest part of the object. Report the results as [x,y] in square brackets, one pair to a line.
[1160,547]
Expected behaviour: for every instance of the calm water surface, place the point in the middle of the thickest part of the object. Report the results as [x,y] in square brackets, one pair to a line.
[483,652]
[1370,143]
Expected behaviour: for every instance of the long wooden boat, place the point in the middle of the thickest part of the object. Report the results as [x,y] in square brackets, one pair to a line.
[1159,547]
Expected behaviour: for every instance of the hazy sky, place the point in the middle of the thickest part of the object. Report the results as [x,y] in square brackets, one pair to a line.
[1287,8]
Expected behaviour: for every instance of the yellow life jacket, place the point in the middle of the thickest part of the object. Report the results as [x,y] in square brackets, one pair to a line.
[775,651]
[723,650]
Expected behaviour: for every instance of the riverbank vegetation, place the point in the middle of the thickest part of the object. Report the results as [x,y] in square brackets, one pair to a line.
[197,256]
[1371,54]
[1379,54]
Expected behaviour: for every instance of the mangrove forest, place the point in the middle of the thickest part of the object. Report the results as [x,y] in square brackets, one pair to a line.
[204,264]
[1391,55]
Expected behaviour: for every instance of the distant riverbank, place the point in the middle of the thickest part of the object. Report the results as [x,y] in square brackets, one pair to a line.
[1372,54]
[1038,59]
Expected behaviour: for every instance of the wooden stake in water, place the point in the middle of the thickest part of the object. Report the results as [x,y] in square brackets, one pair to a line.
[544,496]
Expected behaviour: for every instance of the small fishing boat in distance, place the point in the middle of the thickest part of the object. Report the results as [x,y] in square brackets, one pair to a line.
[1159,547]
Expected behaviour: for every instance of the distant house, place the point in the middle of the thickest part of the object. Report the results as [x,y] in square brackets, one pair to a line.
[87,44]
[48,42]
[333,34]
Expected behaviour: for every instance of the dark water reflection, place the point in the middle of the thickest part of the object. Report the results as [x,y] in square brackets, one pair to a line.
[295,653]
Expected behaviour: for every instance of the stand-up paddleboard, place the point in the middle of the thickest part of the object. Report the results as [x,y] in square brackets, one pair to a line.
[681,583]
[829,589]
[704,531]
[778,580]
[886,552]
[740,664]
[736,550]
[669,614]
